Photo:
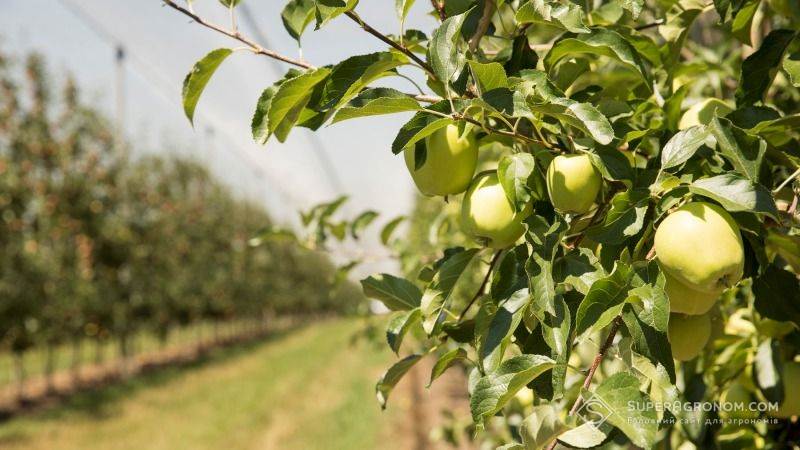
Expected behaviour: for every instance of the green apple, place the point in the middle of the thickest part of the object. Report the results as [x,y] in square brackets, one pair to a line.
[703,112]
[524,397]
[573,183]
[736,395]
[488,216]
[700,245]
[450,162]
[688,335]
[791,391]
[685,300]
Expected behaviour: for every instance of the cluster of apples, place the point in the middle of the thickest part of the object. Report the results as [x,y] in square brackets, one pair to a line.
[699,249]
[698,246]
[486,213]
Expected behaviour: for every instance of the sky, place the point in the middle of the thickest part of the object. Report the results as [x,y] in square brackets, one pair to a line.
[79,37]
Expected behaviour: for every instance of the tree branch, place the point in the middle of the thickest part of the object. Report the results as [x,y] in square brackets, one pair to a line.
[513,134]
[439,7]
[588,380]
[365,26]
[236,35]
[258,49]
[483,25]
[481,288]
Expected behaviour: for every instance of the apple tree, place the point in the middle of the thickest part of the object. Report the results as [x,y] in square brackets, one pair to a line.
[617,217]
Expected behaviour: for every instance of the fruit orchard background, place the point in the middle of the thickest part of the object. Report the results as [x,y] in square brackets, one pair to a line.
[99,247]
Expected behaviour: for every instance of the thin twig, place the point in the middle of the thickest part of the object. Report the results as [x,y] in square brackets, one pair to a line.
[439,7]
[258,49]
[366,27]
[597,359]
[650,25]
[481,288]
[491,130]
[483,25]
[236,35]
[787,181]
[426,98]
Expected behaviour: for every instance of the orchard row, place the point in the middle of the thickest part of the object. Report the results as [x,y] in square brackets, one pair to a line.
[94,244]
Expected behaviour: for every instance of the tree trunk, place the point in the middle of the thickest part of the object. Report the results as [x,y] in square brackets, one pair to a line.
[49,368]
[124,355]
[19,375]
[98,351]
[75,367]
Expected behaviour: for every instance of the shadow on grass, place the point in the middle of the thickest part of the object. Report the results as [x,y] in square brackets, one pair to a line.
[99,400]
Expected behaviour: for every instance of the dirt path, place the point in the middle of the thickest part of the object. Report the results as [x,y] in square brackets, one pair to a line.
[423,411]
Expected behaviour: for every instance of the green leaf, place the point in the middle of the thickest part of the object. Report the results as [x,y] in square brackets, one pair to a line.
[447,361]
[229,3]
[792,67]
[582,116]
[402,7]
[297,16]
[399,325]
[566,16]
[615,393]
[328,10]
[494,390]
[601,42]
[683,145]
[396,293]
[376,101]
[288,102]
[421,125]
[557,334]
[354,74]
[624,219]
[390,378]
[612,164]
[542,426]
[543,242]
[679,20]
[744,151]
[513,171]
[743,22]
[768,369]
[509,273]
[758,69]
[260,123]
[361,222]
[388,229]
[662,387]
[197,79]
[604,301]
[493,342]
[647,320]
[488,76]
[777,294]
[581,269]
[634,6]
[736,194]
[585,436]
[438,294]
[444,52]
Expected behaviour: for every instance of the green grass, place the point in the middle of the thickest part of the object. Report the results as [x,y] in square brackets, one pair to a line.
[307,389]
